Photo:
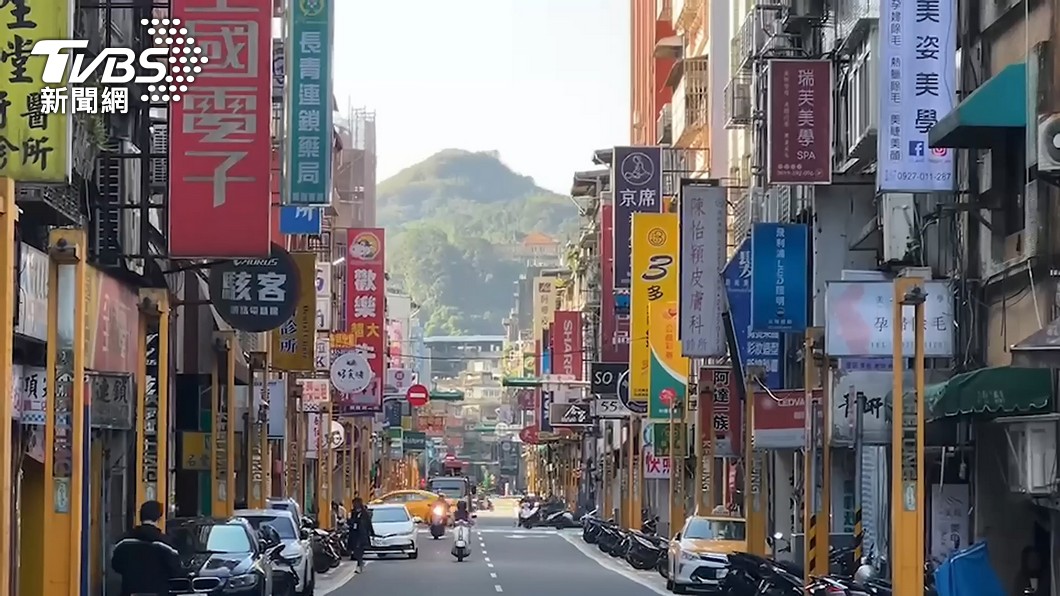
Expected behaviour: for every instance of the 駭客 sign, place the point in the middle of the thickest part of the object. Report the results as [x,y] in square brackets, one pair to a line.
[256,295]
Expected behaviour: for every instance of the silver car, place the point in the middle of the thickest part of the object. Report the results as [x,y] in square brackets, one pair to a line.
[297,550]
[395,530]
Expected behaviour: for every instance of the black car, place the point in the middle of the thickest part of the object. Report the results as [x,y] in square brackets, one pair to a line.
[221,557]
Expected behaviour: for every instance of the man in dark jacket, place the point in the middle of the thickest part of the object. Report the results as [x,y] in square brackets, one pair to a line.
[145,559]
[361,532]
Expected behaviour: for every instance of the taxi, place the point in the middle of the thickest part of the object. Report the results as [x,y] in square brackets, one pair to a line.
[418,502]
[697,555]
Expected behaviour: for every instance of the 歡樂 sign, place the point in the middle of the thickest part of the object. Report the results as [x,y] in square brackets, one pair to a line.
[779,292]
[366,308]
[702,258]
[256,295]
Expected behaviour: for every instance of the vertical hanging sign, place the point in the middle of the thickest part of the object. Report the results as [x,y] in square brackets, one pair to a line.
[567,344]
[636,183]
[366,312]
[799,117]
[309,127]
[779,292]
[702,258]
[149,434]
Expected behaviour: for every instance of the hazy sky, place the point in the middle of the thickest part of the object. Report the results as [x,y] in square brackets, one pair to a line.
[545,82]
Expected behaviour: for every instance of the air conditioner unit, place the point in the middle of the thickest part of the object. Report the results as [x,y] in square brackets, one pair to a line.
[897,213]
[1049,143]
[1032,453]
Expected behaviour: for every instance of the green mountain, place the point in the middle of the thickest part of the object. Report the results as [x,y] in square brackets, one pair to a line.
[452,221]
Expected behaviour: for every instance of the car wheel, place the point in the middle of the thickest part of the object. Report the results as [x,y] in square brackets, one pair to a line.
[679,589]
[669,584]
[310,586]
[414,555]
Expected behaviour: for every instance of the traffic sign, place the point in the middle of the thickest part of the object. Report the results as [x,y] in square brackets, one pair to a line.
[568,415]
[609,407]
[637,408]
[351,373]
[418,396]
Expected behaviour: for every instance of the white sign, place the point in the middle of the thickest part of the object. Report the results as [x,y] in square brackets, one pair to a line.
[323,293]
[655,468]
[316,393]
[32,293]
[950,505]
[278,70]
[918,84]
[322,353]
[610,408]
[860,314]
[314,430]
[703,254]
[337,437]
[400,379]
[30,393]
[351,373]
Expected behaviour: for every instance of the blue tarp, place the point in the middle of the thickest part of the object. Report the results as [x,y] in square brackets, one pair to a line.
[967,572]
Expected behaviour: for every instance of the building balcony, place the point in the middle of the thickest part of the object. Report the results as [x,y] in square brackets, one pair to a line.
[738,102]
[691,105]
[664,126]
[747,43]
[855,19]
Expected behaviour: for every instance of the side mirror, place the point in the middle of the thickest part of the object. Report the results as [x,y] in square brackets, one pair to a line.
[276,553]
[677,536]
[417,520]
[304,534]
[474,516]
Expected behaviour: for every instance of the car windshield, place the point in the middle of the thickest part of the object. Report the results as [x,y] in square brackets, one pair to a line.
[283,525]
[699,528]
[383,515]
[453,488]
[211,538]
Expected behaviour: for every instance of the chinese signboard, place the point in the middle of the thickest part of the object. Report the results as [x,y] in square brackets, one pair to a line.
[799,117]
[34,146]
[292,342]
[636,185]
[726,409]
[763,349]
[544,304]
[567,344]
[919,86]
[278,71]
[112,322]
[300,220]
[861,314]
[256,295]
[780,256]
[655,248]
[614,325]
[32,311]
[703,238]
[780,418]
[220,130]
[366,310]
[309,127]
[669,369]
[322,284]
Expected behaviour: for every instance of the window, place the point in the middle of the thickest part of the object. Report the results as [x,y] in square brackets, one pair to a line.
[398,498]
[384,515]
[212,538]
[283,525]
[862,98]
[701,528]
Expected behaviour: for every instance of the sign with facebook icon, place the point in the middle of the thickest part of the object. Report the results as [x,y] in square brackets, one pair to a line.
[300,220]
[916,149]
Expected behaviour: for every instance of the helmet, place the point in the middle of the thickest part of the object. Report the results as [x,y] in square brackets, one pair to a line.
[461,506]
[864,573]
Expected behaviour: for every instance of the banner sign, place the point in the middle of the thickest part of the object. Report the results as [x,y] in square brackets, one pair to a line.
[220,129]
[703,243]
[779,292]
[655,249]
[614,323]
[256,295]
[799,122]
[861,313]
[366,300]
[604,377]
[669,369]
[567,344]
[34,147]
[300,220]
[764,349]
[293,341]
[278,71]
[358,389]
[544,305]
[309,127]
[780,418]
[920,91]
[636,185]
[322,283]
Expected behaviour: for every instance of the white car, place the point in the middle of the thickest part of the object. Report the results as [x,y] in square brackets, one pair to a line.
[395,530]
[297,549]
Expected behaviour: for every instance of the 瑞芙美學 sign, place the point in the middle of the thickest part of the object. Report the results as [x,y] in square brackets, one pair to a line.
[703,238]
[636,183]
[309,148]
[920,79]
[799,113]
[763,349]
[655,250]
[780,256]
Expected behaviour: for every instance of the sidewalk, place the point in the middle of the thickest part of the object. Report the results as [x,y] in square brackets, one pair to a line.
[336,578]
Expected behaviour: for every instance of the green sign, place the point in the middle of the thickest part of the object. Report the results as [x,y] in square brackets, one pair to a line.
[662,439]
[309,128]
[415,441]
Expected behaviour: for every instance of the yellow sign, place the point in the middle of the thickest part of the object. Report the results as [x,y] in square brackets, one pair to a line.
[293,342]
[655,243]
[195,451]
[34,146]
[545,292]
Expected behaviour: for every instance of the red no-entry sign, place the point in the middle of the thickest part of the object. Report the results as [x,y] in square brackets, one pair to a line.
[418,396]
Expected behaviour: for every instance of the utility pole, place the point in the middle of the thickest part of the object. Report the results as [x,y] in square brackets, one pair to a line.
[817,502]
[223,429]
[859,473]
[8,283]
[756,486]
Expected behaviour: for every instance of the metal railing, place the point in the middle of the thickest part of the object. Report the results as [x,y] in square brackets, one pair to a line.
[738,102]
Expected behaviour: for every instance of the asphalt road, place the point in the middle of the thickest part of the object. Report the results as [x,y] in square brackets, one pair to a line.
[515,562]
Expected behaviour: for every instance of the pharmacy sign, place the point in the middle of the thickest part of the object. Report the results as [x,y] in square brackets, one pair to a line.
[308,171]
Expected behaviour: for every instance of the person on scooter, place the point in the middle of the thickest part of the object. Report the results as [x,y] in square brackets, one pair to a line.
[440,502]
[461,513]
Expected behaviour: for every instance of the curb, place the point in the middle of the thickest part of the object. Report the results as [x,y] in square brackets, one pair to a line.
[337,580]
[607,563]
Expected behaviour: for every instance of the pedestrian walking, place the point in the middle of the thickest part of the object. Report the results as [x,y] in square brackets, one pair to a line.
[360,532]
[145,559]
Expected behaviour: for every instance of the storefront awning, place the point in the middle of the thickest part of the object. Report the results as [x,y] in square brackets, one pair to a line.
[1040,350]
[997,106]
[996,390]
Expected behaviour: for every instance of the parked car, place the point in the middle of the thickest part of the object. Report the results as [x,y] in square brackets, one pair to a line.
[697,554]
[297,547]
[222,557]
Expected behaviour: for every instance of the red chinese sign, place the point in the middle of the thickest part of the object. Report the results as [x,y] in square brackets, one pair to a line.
[219,133]
[613,328]
[799,122]
[366,300]
[780,418]
[567,343]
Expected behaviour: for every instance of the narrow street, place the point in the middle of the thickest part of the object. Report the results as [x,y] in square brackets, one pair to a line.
[515,562]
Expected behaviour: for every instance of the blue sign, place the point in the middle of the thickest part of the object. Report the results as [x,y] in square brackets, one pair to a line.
[309,127]
[300,220]
[780,255]
[756,348]
[636,182]
[392,413]
[545,424]
[546,362]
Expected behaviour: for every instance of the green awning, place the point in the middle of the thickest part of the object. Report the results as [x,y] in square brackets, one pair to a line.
[997,106]
[992,391]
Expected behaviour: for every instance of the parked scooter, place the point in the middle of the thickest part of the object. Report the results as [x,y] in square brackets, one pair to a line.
[645,551]
[461,540]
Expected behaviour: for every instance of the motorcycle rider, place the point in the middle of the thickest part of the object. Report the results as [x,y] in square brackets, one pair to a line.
[444,504]
[462,514]
[360,533]
[145,559]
